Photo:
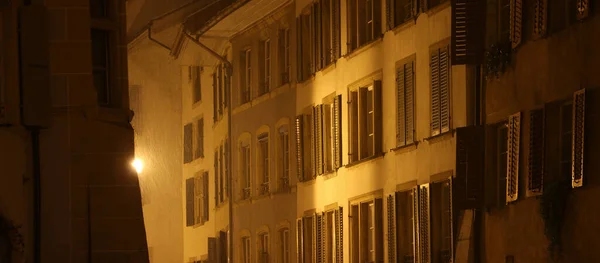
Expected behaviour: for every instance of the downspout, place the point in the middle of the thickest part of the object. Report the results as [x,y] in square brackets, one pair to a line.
[153,39]
[229,70]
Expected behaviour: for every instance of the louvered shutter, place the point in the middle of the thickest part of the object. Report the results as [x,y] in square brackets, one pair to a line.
[337,131]
[216,165]
[514,142]
[315,246]
[468,31]
[318,238]
[189,202]
[200,149]
[299,148]
[377,19]
[389,14]
[400,107]
[339,235]
[578,137]
[220,85]
[470,142]
[535,181]
[583,9]
[227,87]
[415,222]
[206,196]
[281,55]
[215,94]
[319,59]
[424,249]
[540,18]
[353,152]
[313,143]
[448,208]
[516,22]
[379,230]
[299,241]
[391,230]
[378,118]
[299,49]
[188,153]
[336,34]
[434,64]
[444,90]
[319,138]
[409,107]
[226,152]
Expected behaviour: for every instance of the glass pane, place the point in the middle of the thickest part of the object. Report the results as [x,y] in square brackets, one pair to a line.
[99,48]
[101,85]
[98,8]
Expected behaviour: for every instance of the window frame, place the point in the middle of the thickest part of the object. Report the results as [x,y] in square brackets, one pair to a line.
[263,174]
[401,65]
[357,251]
[371,89]
[245,168]
[108,23]
[284,157]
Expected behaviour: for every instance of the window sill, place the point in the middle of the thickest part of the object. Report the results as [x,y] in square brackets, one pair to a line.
[404,25]
[440,137]
[330,174]
[405,148]
[196,104]
[328,68]
[363,48]
[307,80]
[365,160]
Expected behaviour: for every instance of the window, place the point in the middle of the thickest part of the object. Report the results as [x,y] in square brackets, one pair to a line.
[327,134]
[510,15]
[103,29]
[197,199]
[405,107]
[320,237]
[366,233]
[441,221]
[502,165]
[246,250]
[284,158]
[400,11]
[504,20]
[306,227]
[578,138]
[194,77]
[304,141]
[188,154]
[265,67]
[402,225]
[263,250]
[221,83]
[536,153]
[440,90]
[245,169]
[221,173]
[364,24]
[263,162]
[330,236]
[513,147]
[284,56]
[246,76]
[285,245]
[330,24]
[199,153]
[365,122]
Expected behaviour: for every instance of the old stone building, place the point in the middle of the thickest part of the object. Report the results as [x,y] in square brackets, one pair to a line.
[66,141]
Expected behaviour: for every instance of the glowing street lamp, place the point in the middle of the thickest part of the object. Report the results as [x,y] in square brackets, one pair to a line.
[138,165]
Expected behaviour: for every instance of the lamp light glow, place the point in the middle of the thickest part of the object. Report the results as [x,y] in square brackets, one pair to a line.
[138,165]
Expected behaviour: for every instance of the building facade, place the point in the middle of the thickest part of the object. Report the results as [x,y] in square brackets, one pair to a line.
[68,192]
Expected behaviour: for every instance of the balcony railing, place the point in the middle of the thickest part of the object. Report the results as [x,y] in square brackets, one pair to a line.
[246,193]
[264,188]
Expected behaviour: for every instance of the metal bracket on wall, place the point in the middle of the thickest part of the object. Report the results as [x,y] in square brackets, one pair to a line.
[228,65]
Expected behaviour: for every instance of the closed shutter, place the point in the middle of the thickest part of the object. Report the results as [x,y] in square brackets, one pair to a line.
[434,64]
[188,153]
[391,221]
[223,247]
[313,142]
[352,26]
[514,142]
[206,196]
[189,202]
[339,235]
[299,148]
[319,138]
[516,22]
[216,165]
[409,89]
[200,145]
[215,94]
[378,118]
[578,137]
[535,181]
[337,131]
[444,90]
[377,19]
[540,18]
[336,34]
[468,31]
[318,238]
[379,230]
[424,224]
[389,16]
[470,142]
[299,240]
[415,223]
[226,178]
[583,9]
[400,107]
[299,49]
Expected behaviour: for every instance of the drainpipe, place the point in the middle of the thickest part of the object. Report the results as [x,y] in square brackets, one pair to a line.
[229,69]
[153,39]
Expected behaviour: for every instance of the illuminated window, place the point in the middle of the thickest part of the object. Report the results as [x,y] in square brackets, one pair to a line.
[263,162]
[365,122]
[367,231]
[246,250]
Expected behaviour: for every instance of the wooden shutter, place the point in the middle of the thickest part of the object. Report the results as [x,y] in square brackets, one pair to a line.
[470,142]
[299,62]
[318,120]
[379,230]
[578,138]
[444,90]
[200,149]
[262,85]
[434,65]
[319,59]
[583,9]
[319,238]
[299,148]
[514,142]
[391,230]
[415,222]
[468,31]
[223,247]
[423,5]
[313,142]
[206,195]
[336,33]
[378,118]
[339,235]
[389,15]
[540,18]
[189,202]
[353,153]
[376,19]
[535,181]
[352,26]
[212,249]
[354,234]
[227,87]
[409,100]
[216,164]
[215,94]
[314,244]
[337,131]
[400,107]
[226,152]
[299,240]
[516,22]
[188,154]
[424,248]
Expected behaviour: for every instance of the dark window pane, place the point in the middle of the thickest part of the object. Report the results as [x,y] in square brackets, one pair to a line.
[99,48]
[101,85]
[98,8]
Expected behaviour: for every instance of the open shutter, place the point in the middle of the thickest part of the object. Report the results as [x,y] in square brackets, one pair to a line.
[516,22]
[434,64]
[351,26]
[262,84]
[378,117]
[353,152]
[337,131]
[583,9]
[468,31]
[578,137]
[315,245]
[189,202]
[206,195]
[409,106]
[514,142]
[470,142]
[336,34]
[535,181]
[215,94]
[424,224]
[188,153]
[281,56]
[389,15]
[319,138]
[319,238]
[444,90]
[354,234]
[540,18]
[299,50]
[313,143]
[319,59]
[391,221]
[339,235]
[400,107]
[299,241]
[216,165]
[299,148]
[379,230]
[200,149]
[227,87]
[415,223]
[377,19]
